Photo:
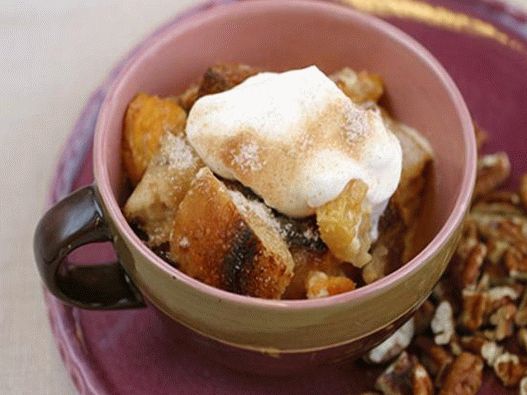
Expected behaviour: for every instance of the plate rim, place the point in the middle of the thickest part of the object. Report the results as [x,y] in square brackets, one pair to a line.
[63,318]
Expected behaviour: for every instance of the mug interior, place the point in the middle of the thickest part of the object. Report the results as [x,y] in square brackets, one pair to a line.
[280,35]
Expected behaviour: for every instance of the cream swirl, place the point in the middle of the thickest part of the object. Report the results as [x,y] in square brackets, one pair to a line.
[296,140]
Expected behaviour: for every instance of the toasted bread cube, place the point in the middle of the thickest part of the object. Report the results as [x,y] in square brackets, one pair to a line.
[225,76]
[155,200]
[408,199]
[360,87]
[416,149]
[344,224]
[147,119]
[417,156]
[187,99]
[225,240]
[395,245]
[216,79]
[319,284]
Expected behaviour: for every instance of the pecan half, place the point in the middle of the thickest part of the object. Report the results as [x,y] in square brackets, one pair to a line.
[471,270]
[516,263]
[500,296]
[473,343]
[503,320]
[392,346]
[465,376]
[493,170]
[469,239]
[474,309]
[490,351]
[421,382]
[405,376]
[509,369]
[436,359]
[443,323]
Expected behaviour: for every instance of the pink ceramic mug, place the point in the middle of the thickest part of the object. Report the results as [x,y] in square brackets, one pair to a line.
[275,335]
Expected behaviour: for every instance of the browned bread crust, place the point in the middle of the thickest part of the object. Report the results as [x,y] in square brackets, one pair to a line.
[153,203]
[224,76]
[218,78]
[360,87]
[224,240]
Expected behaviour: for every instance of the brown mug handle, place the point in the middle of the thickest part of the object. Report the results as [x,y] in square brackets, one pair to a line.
[73,222]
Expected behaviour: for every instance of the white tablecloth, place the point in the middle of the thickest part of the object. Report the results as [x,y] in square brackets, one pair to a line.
[54,53]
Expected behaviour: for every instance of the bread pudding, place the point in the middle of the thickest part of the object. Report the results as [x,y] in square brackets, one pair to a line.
[284,185]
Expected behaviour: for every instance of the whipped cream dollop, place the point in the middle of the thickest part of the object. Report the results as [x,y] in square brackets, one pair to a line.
[296,140]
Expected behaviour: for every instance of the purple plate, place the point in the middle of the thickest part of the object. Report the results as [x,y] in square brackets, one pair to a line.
[484,47]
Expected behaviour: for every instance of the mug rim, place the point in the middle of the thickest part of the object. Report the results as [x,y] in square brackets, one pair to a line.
[166,32]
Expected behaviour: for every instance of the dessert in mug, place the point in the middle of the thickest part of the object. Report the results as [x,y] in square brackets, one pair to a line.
[276,185]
